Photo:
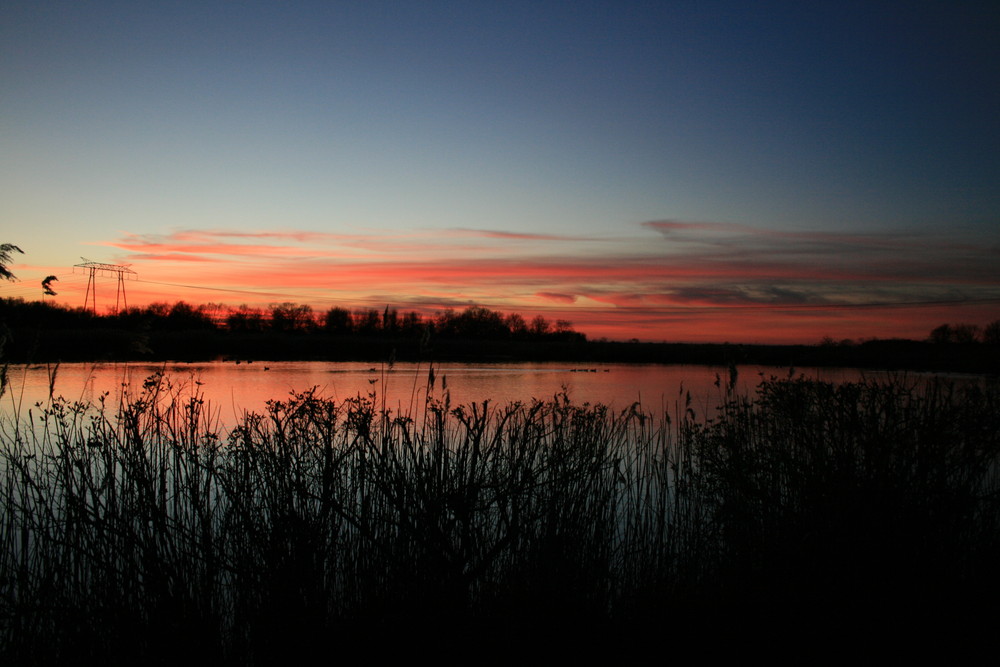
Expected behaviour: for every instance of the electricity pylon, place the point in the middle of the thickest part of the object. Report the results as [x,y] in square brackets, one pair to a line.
[99,268]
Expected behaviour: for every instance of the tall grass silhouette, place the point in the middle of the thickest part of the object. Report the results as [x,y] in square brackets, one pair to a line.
[140,528]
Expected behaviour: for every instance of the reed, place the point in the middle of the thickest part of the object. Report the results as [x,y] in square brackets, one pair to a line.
[141,528]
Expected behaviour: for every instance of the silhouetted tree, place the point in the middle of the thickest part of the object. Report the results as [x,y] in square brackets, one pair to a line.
[183,315]
[132,317]
[292,317]
[245,319]
[367,321]
[158,309]
[539,326]
[941,334]
[338,321]
[390,320]
[412,324]
[965,333]
[955,333]
[516,325]
[481,323]
[564,331]
[991,333]
[216,312]
[444,323]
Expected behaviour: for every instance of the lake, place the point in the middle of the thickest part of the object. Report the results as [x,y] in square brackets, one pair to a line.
[230,389]
[337,522]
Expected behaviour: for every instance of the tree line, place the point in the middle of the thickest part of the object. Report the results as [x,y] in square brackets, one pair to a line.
[966,333]
[474,322]
[32,331]
[38,331]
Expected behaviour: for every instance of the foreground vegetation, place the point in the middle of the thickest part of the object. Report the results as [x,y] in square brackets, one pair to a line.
[139,529]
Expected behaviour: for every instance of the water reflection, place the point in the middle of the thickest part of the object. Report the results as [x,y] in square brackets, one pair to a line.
[231,389]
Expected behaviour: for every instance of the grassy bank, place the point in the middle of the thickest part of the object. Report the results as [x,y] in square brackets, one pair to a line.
[139,529]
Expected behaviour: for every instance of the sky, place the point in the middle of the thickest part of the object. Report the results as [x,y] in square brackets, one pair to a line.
[685,171]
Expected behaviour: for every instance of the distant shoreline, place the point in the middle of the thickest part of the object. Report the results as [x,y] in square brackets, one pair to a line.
[81,345]
[33,332]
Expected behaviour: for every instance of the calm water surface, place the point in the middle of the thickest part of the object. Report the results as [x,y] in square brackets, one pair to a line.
[230,389]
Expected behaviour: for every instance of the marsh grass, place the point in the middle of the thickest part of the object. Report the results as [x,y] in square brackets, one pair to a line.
[141,529]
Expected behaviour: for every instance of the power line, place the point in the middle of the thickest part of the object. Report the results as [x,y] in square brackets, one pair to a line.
[95,268]
[222,289]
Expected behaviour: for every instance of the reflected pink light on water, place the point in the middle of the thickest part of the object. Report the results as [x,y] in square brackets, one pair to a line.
[230,389]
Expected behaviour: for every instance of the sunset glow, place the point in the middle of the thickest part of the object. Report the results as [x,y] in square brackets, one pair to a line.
[653,173]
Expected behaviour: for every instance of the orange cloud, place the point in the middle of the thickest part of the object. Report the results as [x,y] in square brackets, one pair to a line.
[688,281]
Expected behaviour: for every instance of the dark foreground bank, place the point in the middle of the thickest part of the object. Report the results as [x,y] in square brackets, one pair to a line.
[803,515]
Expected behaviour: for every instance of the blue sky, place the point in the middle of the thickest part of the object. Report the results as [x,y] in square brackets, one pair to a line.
[723,154]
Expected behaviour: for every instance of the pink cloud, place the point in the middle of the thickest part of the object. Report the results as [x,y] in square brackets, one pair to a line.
[555,296]
[702,277]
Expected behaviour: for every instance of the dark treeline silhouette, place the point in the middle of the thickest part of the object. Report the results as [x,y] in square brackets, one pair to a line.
[35,331]
[967,333]
[38,331]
